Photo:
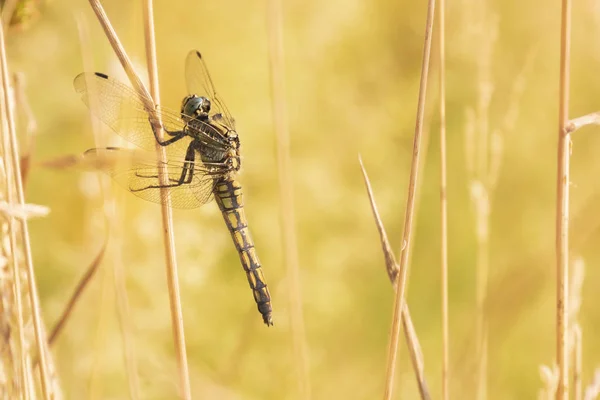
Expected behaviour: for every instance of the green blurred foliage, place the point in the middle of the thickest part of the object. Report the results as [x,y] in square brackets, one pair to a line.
[352,72]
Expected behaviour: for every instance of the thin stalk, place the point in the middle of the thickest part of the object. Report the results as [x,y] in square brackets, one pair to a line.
[30,272]
[443,203]
[167,215]
[286,196]
[562,208]
[410,205]
[14,250]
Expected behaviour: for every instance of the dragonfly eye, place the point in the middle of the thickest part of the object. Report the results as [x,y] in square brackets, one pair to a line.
[187,105]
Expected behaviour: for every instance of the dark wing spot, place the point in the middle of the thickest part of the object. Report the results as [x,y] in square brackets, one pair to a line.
[101,75]
[198,54]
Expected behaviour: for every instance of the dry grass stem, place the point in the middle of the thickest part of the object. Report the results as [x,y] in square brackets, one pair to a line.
[18,363]
[443,202]
[167,215]
[410,205]
[562,209]
[412,341]
[46,386]
[286,197]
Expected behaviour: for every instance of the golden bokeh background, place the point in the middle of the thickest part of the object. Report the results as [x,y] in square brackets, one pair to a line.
[352,70]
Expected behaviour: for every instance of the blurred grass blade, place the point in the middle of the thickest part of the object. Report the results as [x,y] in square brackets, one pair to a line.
[286,196]
[443,202]
[22,102]
[78,292]
[48,387]
[23,211]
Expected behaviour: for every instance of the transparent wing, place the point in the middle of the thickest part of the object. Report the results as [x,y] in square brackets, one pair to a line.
[137,172]
[199,82]
[122,109]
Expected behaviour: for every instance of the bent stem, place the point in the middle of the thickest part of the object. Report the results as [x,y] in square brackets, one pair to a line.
[412,341]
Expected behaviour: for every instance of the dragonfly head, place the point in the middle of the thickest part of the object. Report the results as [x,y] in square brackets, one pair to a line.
[194,106]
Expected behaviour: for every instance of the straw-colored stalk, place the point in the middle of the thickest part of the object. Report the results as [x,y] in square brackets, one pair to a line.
[412,341]
[410,205]
[562,208]
[46,386]
[12,294]
[167,214]
[288,223]
[167,218]
[443,203]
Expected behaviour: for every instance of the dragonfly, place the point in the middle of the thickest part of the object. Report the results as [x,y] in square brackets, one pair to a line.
[202,151]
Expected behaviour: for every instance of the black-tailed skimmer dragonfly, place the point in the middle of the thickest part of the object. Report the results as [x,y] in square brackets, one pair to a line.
[202,154]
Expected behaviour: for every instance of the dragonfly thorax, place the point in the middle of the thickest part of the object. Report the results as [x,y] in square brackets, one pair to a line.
[194,106]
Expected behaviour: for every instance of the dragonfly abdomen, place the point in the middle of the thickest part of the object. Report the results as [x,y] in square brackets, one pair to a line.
[228,194]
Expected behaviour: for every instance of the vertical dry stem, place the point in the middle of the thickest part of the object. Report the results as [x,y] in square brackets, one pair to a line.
[562,209]
[30,273]
[167,216]
[410,205]
[443,202]
[20,361]
[276,56]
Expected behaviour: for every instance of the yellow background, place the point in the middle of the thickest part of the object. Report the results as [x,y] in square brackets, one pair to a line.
[352,71]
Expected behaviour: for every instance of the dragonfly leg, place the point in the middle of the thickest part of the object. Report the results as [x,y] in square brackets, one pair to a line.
[187,173]
[175,137]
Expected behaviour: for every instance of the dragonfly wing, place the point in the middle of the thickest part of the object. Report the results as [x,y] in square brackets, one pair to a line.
[123,109]
[200,83]
[138,172]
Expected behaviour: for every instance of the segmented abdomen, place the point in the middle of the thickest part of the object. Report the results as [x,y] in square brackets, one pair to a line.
[228,194]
